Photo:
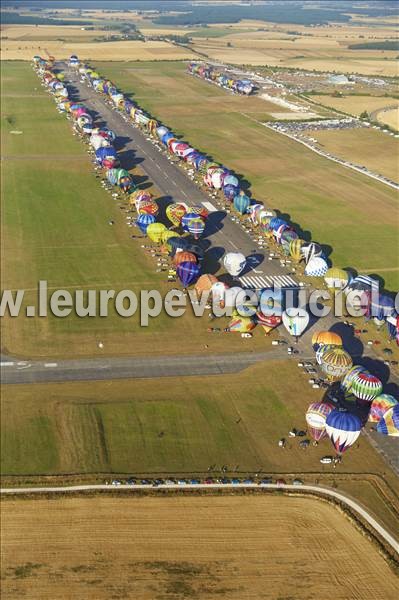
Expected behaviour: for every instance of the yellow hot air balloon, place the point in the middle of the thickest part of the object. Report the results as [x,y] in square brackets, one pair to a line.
[295,249]
[335,362]
[155,231]
[336,278]
[324,338]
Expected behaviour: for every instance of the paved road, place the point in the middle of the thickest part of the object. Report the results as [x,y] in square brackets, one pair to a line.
[325,491]
[173,182]
[14,371]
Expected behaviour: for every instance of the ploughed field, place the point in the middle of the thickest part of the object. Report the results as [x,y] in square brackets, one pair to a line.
[187,547]
[353,214]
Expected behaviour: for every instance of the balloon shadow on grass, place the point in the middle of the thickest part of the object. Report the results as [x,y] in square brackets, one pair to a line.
[212,258]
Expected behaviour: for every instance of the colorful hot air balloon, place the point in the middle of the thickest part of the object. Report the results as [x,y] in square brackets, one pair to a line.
[230,191]
[184,256]
[144,221]
[320,351]
[155,231]
[147,206]
[196,227]
[316,416]
[380,405]
[234,263]
[382,306]
[311,250]
[241,325]
[188,272]
[389,424]
[335,362]
[198,209]
[295,320]
[343,429]
[323,338]
[366,386]
[268,322]
[316,267]
[347,381]
[336,278]
[175,212]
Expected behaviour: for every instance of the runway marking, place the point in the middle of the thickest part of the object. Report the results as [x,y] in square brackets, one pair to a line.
[49,365]
[209,206]
[251,282]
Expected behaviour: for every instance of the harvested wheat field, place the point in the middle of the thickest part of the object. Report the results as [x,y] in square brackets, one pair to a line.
[390,117]
[243,547]
[355,105]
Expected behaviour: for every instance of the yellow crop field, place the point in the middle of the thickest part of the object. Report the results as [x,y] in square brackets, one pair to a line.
[45,32]
[123,50]
[355,105]
[390,117]
[187,547]
[368,147]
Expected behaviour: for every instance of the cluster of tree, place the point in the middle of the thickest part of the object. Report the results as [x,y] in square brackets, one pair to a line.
[11,18]
[384,45]
[228,13]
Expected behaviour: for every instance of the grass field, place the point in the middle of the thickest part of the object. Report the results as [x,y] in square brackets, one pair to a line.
[177,426]
[355,105]
[314,192]
[187,547]
[55,227]
[369,147]
[390,117]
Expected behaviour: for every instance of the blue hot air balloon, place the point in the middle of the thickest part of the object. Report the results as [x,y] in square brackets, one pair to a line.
[241,203]
[177,244]
[343,429]
[230,191]
[196,227]
[187,218]
[382,306]
[143,221]
[188,272]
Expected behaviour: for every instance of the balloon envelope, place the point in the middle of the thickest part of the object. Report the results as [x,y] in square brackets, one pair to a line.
[343,429]
[155,231]
[295,320]
[144,221]
[234,263]
[366,386]
[380,405]
[389,424]
[316,416]
[335,362]
[188,272]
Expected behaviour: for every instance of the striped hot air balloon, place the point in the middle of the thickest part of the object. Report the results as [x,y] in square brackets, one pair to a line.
[144,221]
[343,429]
[389,424]
[196,227]
[347,381]
[187,218]
[295,249]
[316,416]
[380,405]
[335,362]
[188,272]
[311,250]
[366,386]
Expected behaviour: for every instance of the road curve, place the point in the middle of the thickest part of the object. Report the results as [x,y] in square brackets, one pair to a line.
[324,491]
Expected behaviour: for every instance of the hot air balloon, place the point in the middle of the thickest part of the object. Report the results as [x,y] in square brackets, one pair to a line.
[188,272]
[144,221]
[311,250]
[155,231]
[241,325]
[335,362]
[230,180]
[380,405]
[366,386]
[382,306]
[205,283]
[323,338]
[295,249]
[187,218]
[316,416]
[286,238]
[336,278]
[320,351]
[241,203]
[175,212]
[343,429]
[295,320]
[347,381]
[147,206]
[316,267]
[389,423]
[234,263]
[230,191]
[268,322]
[196,227]
[184,257]
[198,209]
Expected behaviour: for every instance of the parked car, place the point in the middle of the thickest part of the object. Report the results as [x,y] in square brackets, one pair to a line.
[297,482]
[326,460]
